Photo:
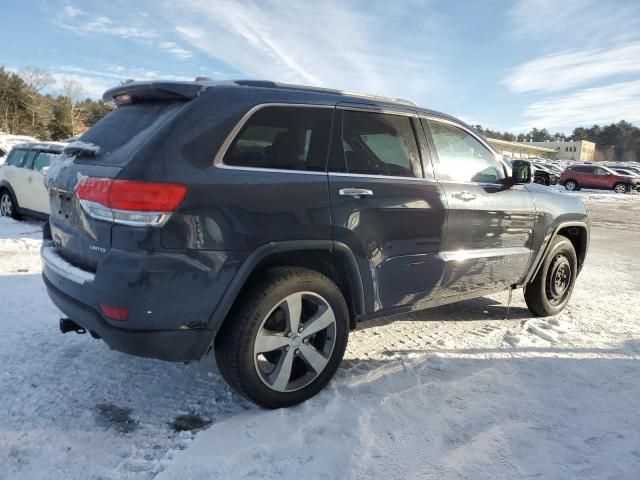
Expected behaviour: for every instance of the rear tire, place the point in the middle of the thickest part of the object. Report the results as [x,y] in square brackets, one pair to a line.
[8,206]
[620,188]
[270,348]
[571,185]
[552,286]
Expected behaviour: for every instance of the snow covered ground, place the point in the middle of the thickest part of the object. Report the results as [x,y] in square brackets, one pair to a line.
[453,392]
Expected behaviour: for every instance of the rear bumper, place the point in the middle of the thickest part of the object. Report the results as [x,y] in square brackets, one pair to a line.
[170,299]
[170,345]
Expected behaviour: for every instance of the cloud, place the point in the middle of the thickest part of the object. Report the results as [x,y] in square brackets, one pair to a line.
[139,29]
[600,105]
[566,70]
[71,11]
[91,86]
[176,50]
[334,44]
[588,23]
[105,25]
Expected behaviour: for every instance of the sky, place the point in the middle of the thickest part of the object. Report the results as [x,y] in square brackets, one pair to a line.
[508,65]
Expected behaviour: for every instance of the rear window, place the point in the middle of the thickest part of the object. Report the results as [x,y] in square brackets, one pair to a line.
[43,160]
[129,125]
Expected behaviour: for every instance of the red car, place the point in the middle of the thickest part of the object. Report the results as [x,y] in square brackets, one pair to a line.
[576,177]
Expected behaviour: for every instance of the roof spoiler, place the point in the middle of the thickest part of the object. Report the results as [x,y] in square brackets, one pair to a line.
[129,92]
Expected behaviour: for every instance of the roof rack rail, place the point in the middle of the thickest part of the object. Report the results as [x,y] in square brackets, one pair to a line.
[290,86]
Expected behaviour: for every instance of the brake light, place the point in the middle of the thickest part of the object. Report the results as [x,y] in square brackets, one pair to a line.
[130,202]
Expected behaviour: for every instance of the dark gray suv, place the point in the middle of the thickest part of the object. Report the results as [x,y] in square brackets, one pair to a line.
[265,220]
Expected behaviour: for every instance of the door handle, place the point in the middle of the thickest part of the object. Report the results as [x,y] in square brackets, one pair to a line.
[29,179]
[464,196]
[355,192]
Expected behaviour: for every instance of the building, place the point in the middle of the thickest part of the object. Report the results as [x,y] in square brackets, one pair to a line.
[522,149]
[580,150]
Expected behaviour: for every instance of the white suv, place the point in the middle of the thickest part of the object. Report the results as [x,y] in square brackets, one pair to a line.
[22,189]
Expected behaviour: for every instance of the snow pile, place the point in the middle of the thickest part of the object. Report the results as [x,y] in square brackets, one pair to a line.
[454,392]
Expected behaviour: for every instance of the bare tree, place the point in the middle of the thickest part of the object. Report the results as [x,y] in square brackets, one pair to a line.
[72,91]
[36,79]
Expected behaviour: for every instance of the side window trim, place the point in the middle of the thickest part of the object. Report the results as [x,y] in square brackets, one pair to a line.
[218,160]
[341,108]
[434,151]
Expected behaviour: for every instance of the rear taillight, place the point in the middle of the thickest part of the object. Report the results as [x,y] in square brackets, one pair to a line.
[128,202]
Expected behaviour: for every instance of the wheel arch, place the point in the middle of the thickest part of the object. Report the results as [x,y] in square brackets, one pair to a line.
[333,259]
[4,185]
[577,232]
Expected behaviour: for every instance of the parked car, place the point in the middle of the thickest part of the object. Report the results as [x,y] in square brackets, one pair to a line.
[576,177]
[266,220]
[22,189]
[550,167]
[543,175]
[633,169]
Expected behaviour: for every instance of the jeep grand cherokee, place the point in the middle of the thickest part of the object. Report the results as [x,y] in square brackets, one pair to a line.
[265,220]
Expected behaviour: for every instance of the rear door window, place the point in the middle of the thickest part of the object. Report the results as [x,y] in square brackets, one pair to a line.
[379,144]
[284,138]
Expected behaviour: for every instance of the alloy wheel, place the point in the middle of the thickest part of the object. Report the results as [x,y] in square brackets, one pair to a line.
[6,205]
[620,188]
[570,185]
[294,342]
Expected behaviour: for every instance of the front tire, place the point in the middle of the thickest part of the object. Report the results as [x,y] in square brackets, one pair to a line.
[8,207]
[285,337]
[552,286]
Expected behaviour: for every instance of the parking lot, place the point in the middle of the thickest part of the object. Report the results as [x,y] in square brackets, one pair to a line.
[459,389]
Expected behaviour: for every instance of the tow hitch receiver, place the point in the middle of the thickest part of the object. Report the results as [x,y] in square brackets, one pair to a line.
[68,325]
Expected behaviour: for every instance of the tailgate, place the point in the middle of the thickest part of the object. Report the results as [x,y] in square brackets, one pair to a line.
[79,239]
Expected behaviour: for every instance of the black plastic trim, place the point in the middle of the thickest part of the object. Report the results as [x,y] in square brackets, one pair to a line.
[543,251]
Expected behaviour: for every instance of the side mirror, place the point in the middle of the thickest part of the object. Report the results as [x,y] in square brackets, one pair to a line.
[44,170]
[520,172]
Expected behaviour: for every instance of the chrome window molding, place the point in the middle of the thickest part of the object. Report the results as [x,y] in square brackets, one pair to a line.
[386,177]
[374,109]
[270,170]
